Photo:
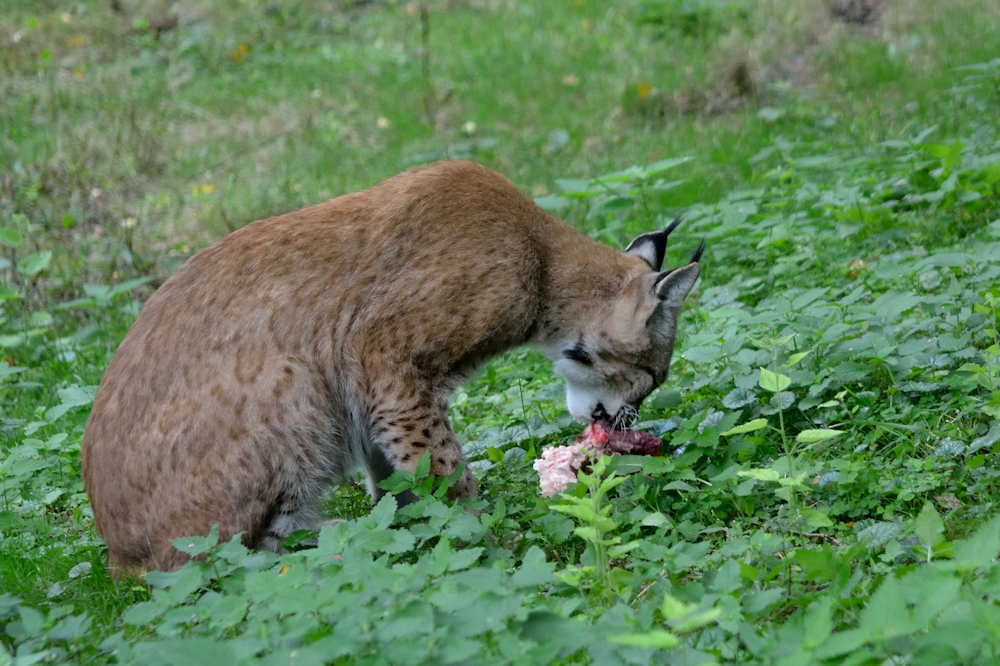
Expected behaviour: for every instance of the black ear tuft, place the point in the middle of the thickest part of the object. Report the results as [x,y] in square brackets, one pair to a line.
[651,247]
[696,257]
[672,226]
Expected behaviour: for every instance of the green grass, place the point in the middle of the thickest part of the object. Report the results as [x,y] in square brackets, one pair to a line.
[125,149]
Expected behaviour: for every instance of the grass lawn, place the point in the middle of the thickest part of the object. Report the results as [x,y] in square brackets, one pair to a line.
[832,419]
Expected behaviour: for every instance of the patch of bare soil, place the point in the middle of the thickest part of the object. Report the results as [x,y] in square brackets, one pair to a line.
[858,12]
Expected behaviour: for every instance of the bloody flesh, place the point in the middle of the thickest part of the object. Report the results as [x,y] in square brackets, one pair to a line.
[634,442]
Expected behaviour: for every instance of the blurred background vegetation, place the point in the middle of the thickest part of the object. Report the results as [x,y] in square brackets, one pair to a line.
[136,131]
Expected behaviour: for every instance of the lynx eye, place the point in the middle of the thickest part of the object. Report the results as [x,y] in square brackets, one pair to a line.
[578,354]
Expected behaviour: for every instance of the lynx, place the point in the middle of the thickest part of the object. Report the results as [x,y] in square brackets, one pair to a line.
[305,347]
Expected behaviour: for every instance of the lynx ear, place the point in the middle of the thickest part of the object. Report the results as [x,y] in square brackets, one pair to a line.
[672,287]
[652,246]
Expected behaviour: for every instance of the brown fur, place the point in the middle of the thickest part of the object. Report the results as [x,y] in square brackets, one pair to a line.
[303,347]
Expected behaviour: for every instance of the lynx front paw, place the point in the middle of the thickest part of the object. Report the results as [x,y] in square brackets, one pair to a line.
[464,488]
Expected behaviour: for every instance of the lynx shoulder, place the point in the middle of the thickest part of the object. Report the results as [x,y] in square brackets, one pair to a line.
[304,347]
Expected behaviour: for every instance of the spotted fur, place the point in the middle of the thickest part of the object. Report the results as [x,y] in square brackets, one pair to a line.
[307,346]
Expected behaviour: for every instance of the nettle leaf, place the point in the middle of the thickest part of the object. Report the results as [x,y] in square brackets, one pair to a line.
[70,398]
[463,526]
[820,566]
[705,354]
[849,372]
[760,474]
[665,399]
[794,359]
[739,397]
[197,545]
[10,236]
[987,440]
[929,527]
[143,613]
[186,651]
[816,518]
[772,381]
[749,426]
[818,620]
[886,612]
[580,510]
[534,570]
[779,402]
[35,263]
[630,464]
[657,639]
[758,602]
[382,514]
[878,534]
[981,548]
[817,435]
[385,541]
[727,578]
[423,466]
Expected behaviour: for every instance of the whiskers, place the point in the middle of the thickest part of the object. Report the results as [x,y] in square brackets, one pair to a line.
[624,418]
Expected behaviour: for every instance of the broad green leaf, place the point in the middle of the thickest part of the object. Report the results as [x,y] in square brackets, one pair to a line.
[35,263]
[757,602]
[383,512]
[749,426]
[192,651]
[929,527]
[820,566]
[665,399]
[423,466]
[738,397]
[583,511]
[621,549]
[610,483]
[879,534]
[817,435]
[886,614]
[385,541]
[463,559]
[69,398]
[841,643]
[11,341]
[197,545]
[727,578]
[770,113]
[816,518]
[630,464]
[10,236]
[818,622]
[699,620]
[982,547]
[143,613]
[773,381]
[534,569]
[658,639]
[657,519]
[760,474]
[795,358]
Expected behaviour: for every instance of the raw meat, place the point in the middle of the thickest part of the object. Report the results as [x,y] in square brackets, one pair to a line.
[558,465]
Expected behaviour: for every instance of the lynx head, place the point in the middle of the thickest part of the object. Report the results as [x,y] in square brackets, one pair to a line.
[620,352]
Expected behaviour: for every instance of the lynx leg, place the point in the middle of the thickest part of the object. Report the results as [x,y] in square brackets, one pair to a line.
[404,433]
[378,469]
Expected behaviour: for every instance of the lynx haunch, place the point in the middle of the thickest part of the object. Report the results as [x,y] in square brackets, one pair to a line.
[304,347]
